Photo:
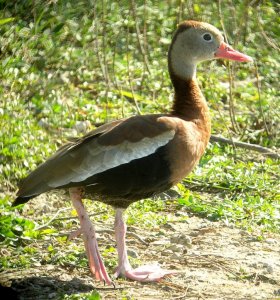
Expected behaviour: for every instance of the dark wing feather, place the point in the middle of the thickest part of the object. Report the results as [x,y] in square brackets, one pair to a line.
[37,181]
[106,147]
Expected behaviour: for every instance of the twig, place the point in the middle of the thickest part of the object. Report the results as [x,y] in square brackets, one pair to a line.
[222,20]
[129,233]
[110,231]
[183,296]
[104,45]
[129,74]
[244,22]
[230,74]
[90,215]
[254,147]
[269,40]
[115,79]
[235,125]
[259,98]
[217,261]
[190,8]
[181,11]
[138,34]
[51,220]
[54,218]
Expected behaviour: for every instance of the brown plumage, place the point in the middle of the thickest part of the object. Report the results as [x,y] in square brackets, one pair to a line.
[135,158]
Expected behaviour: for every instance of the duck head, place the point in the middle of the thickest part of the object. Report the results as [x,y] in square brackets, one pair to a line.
[195,42]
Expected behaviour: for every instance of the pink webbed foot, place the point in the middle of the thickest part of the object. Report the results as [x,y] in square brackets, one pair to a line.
[146,273]
[96,264]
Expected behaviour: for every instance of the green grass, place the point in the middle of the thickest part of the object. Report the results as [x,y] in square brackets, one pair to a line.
[236,189]
[63,63]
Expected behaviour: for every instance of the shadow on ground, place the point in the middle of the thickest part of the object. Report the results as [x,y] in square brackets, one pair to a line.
[43,287]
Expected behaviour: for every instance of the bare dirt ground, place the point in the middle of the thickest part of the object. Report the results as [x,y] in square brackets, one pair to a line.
[213,260]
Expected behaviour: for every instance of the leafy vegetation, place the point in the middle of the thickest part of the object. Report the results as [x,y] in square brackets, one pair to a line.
[242,191]
[70,66]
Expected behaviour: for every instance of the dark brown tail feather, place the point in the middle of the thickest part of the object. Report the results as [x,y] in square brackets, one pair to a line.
[21,200]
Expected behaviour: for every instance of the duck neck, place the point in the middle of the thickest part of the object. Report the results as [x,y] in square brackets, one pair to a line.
[189,103]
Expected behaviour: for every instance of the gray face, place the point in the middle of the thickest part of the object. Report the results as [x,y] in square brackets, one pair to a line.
[199,44]
[193,45]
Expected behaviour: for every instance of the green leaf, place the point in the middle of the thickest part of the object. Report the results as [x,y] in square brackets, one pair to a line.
[6,20]
[129,95]
[94,296]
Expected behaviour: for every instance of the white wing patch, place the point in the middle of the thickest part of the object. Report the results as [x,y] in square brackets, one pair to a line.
[98,158]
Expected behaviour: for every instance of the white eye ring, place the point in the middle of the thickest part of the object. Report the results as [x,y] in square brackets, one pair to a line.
[207,37]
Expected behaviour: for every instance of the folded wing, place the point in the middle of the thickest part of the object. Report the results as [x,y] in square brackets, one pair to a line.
[105,148]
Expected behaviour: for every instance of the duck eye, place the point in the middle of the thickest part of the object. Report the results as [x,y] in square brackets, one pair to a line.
[207,37]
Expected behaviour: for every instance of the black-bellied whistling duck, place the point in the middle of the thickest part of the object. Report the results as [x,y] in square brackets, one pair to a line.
[135,158]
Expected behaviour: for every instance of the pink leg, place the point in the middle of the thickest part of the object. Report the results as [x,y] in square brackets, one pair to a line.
[144,273]
[95,261]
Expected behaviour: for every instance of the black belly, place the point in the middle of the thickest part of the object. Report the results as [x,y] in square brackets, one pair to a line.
[127,183]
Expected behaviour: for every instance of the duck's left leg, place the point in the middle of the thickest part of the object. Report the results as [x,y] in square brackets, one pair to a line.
[145,273]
